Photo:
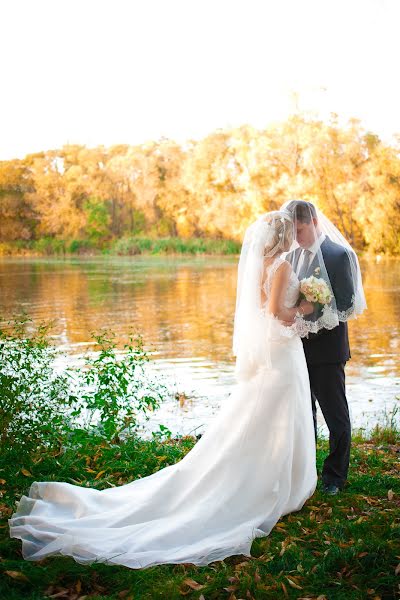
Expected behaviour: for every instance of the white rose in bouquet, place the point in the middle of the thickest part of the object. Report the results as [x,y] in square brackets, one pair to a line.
[316,290]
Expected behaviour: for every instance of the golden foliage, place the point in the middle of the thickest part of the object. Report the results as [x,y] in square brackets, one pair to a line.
[211,187]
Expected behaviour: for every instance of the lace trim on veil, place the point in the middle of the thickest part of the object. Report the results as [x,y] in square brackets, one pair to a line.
[328,320]
[270,271]
[276,329]
[302,326]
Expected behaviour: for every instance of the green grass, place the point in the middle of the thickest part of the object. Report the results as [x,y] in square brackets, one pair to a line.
[174,245]
[125,246]
[345,547]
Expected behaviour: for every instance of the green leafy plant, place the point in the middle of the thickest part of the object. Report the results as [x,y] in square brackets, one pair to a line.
[33,397]
[112,390]
[41,409]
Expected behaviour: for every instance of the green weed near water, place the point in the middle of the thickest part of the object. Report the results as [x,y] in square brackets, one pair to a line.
[174,245]
[344,547]
[125,246]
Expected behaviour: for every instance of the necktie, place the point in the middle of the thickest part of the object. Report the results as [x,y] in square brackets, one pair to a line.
[306,263]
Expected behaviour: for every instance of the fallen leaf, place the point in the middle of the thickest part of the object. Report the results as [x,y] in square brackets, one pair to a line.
[390,495]
[193,584]
[285,590]
[26,472]
[359,520]
[293,584]
[49,590]
[241,565]
[100,473]
[185,592]
[17,575]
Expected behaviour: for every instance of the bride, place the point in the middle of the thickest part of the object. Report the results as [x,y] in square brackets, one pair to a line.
[254,464]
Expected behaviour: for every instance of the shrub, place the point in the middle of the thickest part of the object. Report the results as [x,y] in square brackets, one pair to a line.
[174,245]
[77,246]
[41,409]
[48,246]
[33,398]
[111,392]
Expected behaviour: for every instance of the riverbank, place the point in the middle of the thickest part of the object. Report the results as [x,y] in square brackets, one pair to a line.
[134,246]
[344,547]
[128,246]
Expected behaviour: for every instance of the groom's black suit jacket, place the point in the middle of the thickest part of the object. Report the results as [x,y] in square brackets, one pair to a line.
[330,345]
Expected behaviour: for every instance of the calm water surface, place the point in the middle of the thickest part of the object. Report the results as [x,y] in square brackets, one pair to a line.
[184,309]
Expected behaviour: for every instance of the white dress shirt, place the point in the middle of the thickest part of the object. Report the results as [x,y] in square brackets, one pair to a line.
[313,249]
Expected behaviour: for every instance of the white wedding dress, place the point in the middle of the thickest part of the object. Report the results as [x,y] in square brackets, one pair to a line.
[254,464]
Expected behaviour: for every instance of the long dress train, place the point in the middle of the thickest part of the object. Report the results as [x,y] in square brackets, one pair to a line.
[254,464]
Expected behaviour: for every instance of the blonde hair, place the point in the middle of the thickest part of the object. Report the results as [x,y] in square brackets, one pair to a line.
[282,236]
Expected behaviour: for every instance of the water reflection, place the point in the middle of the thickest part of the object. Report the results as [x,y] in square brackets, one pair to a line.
[184,308]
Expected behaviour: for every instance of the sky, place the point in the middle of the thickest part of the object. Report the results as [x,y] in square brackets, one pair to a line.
[128,71]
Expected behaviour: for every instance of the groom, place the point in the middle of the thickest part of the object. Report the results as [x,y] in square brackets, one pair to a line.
[328,350]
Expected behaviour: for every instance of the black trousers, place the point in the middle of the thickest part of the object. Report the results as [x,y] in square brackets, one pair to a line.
[327,382]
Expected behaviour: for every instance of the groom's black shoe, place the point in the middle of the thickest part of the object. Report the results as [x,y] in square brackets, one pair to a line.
[330,488]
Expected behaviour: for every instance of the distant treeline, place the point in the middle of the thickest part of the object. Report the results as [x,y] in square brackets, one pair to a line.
[78,197]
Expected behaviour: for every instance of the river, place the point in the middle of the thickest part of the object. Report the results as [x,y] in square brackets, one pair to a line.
[184,307]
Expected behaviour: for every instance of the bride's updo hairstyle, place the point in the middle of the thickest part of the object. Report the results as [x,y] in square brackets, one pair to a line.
[279,232]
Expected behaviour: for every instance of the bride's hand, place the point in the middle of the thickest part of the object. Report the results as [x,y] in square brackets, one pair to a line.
[287,322]
[306,307]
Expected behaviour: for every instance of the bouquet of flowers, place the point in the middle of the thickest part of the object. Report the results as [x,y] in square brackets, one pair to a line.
[316,290]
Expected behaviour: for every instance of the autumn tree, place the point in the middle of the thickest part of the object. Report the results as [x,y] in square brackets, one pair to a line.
[16,214]
[213,187]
